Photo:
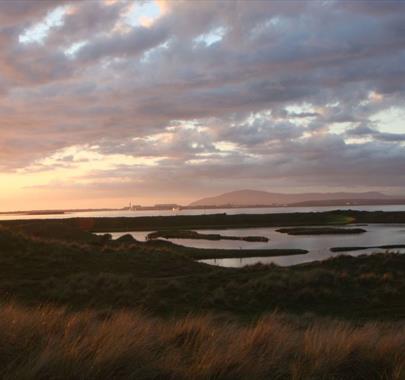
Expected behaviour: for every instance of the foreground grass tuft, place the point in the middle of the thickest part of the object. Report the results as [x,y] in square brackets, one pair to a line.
[50,343]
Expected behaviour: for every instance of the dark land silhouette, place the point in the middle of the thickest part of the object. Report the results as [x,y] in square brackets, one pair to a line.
[244,198]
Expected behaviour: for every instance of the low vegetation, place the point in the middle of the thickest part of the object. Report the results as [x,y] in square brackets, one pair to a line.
[212,253]
[50,343]
[187,234]
[384,247]
[81,306]
[162,278]
[321,231]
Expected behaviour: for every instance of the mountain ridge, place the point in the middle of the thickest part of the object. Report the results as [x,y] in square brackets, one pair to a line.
[248,197]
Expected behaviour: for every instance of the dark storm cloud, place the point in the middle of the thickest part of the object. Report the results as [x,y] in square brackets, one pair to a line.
[221,90]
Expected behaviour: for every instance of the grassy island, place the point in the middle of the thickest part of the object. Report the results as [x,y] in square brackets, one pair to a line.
[321,231]
[187,234]
[200,253]
[207,253]
[380,247]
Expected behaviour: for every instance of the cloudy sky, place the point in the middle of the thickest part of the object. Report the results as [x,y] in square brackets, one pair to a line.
[103,102]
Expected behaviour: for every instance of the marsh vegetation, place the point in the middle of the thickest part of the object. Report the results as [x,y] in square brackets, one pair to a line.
[77,305]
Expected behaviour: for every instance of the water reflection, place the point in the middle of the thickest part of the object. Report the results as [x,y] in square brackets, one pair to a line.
[138,235]
[288,260]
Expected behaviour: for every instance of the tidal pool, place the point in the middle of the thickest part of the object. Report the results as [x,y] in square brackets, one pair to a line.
[317,245]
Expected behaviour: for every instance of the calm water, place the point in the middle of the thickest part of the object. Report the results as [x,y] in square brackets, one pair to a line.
[230,211]
[318,246]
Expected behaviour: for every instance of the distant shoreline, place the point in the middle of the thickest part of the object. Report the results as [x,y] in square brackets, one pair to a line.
[55,212]
[397,202]
[223,221]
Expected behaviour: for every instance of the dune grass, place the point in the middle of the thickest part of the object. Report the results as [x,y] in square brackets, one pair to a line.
[49,343]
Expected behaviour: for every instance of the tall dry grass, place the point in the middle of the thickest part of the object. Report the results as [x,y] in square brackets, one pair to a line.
[49,343]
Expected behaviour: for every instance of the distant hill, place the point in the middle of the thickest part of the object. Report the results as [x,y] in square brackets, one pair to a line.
[264,198]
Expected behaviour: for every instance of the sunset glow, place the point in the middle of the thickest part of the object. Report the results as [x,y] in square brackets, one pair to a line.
[202,189]
[106,102]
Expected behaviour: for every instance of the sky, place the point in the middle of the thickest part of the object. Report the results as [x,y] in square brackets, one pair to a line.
[106,102]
